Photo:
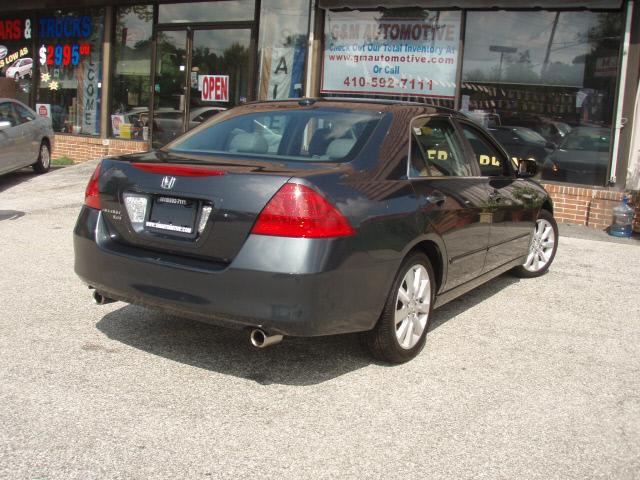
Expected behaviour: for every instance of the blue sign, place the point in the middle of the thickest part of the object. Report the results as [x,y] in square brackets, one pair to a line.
[65,27]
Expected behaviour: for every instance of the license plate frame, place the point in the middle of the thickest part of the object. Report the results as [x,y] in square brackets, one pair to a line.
[173,216]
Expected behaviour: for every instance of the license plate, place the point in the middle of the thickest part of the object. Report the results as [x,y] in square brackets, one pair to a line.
[173,215]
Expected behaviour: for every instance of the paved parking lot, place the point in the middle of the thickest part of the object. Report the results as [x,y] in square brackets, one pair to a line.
[521,379]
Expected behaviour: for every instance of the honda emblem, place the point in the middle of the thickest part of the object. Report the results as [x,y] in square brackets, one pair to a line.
[168,182]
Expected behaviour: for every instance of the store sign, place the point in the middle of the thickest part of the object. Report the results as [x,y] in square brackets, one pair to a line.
[214,88]
[63,54]
[68,26]
[391,57]
[43,109]
[65,28]
[12,57]
[15,29]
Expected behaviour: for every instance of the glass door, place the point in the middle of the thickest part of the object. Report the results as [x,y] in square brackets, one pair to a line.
[219,80]
[170,83]
[199,73]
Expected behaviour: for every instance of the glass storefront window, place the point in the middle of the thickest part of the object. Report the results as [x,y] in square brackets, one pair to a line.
[16,57]
[284,30]
[70,58]
[399,53]
[552,73]
[203,12]
[131,81]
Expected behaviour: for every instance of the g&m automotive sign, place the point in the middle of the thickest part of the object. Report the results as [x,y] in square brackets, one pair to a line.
[370,54]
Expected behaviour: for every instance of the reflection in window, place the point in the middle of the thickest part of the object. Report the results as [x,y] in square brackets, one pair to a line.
[227,11]
[132,69]
[490,160]
[435,151]
[284,28]
[550,72]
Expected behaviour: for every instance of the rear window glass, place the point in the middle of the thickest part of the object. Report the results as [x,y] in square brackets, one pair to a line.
[316,135]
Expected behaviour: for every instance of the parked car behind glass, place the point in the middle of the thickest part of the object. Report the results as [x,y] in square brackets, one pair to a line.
[583,157]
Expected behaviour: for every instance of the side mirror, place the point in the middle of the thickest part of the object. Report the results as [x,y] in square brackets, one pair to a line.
[4,124]
[527,168]
[551,145]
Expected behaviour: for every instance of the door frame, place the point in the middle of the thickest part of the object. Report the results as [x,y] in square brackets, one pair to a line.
[189,28]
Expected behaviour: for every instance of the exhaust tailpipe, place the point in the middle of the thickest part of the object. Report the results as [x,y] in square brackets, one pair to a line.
[100,299]
[260,339]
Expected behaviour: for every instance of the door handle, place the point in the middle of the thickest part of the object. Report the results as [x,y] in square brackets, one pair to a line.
[437,199]
[495,195]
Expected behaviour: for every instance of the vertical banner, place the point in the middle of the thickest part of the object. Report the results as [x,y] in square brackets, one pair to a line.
[278,62]
[88,87]
[370,54]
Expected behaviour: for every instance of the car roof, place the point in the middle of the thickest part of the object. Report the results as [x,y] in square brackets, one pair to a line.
[353,103]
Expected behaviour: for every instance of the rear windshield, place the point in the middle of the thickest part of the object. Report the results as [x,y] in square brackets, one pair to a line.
[317,135]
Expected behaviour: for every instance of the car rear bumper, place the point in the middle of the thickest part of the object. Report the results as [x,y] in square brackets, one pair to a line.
[293,287]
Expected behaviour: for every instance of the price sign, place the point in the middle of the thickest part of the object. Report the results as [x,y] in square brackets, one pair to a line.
[69,54]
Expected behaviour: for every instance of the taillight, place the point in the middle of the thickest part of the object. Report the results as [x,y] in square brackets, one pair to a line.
[298,211]
[91,194]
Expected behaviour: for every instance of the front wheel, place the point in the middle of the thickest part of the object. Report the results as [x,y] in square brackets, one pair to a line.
[542,248]
[401,331]
[43,163]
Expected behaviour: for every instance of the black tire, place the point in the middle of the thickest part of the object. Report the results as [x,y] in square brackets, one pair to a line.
[383,341]
[43,164]
[523,272]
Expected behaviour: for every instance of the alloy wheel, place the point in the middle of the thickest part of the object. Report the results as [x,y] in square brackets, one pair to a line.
[541,247]
[45,157]
[412,306]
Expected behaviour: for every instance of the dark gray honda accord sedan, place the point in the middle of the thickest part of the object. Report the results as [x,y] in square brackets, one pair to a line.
[315,217]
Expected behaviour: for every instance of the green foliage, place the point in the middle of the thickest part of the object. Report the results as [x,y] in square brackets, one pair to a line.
[63,160]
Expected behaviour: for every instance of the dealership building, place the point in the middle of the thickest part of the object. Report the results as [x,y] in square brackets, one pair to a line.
[557,79]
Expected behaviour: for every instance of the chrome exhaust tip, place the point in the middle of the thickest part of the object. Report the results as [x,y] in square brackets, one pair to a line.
[100,299]
[260,339]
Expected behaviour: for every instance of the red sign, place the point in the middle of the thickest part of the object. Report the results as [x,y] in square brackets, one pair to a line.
[215,88]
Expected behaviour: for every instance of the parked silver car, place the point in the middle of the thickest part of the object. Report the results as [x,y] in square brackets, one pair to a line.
[25,138]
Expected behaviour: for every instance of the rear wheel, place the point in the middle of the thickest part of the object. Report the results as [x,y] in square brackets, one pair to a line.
[543,247]
[43,163]
[401,331]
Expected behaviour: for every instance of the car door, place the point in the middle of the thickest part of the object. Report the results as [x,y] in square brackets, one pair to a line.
[450,196]
[30,134]
[10,155]
[510,201]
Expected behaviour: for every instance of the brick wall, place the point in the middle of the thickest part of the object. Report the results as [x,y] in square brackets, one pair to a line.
[81,149]
[589,206]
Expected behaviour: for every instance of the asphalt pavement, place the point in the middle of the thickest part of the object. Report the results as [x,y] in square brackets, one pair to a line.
[520,379]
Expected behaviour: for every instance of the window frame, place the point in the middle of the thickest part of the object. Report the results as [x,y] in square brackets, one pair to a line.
[18,115]
[16,121]
[507,169]
[461,145]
